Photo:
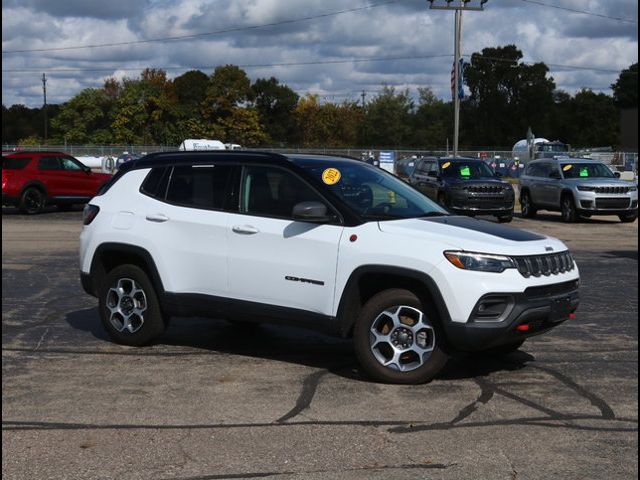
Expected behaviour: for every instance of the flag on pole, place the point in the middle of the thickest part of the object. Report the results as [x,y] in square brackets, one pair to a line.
[459,89]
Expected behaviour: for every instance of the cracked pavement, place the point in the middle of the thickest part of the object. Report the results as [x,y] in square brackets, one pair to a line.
[214,400]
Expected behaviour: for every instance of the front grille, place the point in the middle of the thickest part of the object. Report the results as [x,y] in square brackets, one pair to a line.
[612,189]
[612,203]
[549,264]
[485,189]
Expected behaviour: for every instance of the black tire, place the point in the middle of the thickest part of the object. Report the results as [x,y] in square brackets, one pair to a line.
[505,349]
[527,207]
[153,322]
[628,217]
[405,304]
[505,218]
[568,209]
[32,201]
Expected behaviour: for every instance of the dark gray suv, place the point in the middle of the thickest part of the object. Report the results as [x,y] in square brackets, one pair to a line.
[576,187]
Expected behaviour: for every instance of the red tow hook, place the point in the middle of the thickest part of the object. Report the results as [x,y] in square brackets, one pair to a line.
[522,328]
[572,316]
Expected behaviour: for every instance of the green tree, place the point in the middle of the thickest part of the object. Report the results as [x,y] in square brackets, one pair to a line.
[191,89]
[85,118]
[229,87]
[625,88]
[275,104]
[433,121]
[594,120]
[388,118]
[241,126]
[506,97]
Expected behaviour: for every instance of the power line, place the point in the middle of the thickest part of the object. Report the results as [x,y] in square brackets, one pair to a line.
[205,34]
[253,65]
[583,12]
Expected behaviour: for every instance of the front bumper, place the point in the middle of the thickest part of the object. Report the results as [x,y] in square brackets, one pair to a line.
[461,201]
[539,308]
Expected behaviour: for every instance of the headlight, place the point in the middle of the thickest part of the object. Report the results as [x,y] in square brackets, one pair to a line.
[586,188]
[633,188]
[482,262]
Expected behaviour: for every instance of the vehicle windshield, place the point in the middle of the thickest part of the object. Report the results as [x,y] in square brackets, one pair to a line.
[586,170]
[372,192]
[465,170]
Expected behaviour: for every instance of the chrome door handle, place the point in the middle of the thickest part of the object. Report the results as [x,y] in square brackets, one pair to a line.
[245,229]
[158,218]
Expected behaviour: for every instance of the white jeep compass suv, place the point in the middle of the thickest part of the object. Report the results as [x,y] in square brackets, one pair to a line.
[314,241]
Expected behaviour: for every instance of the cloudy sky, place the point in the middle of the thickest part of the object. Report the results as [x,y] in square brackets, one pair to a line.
[335,48]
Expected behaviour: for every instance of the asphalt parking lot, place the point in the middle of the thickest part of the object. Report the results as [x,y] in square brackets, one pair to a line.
[213,400]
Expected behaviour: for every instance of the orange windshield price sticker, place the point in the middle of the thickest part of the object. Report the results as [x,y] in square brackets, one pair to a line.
[446,165]
[566,168]
[331,176]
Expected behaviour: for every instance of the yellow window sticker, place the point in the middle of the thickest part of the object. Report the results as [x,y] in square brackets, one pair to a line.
[584,172]
[391,196]
[446,165]
[331,176]
[566,168]
[465,171]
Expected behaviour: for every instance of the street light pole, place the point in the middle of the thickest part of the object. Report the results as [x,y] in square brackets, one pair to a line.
[456,73]
[456,54]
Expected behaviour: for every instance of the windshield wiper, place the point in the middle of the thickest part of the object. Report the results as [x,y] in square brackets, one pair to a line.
[432,214]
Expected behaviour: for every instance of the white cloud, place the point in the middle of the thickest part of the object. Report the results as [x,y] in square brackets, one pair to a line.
[404,28]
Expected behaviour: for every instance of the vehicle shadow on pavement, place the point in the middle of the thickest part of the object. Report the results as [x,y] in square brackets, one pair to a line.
[191,336]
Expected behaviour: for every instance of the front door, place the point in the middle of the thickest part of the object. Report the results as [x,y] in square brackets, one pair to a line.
[274,259]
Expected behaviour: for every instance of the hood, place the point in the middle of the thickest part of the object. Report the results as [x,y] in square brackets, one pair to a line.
[599,182]
[473,235]
[475,181]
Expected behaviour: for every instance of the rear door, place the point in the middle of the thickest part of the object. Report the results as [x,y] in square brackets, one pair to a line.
[274,259]
[187,211]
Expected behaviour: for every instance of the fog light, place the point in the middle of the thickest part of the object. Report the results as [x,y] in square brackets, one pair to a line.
[494,308]
[586,203]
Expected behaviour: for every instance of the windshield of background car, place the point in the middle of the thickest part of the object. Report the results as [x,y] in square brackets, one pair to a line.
[370,191]
[462,170]
[586,170]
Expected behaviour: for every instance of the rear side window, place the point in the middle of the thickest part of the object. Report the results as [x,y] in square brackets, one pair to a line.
[49,163]
[200,186]
[15,163]
[155,185]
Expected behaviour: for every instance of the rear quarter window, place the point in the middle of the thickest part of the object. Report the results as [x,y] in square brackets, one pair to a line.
[15,163]
[155,184]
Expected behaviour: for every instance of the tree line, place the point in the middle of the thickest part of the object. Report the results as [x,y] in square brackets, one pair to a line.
[506,97]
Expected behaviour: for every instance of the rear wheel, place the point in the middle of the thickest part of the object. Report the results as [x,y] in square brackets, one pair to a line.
[628,217]
[397,339]
[526,205]
[129,307]
[32,201]
[568,209]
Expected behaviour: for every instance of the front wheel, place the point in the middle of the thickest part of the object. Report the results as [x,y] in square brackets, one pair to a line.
[505,218]
[628,217]
[397,339]
[568,209]
[129,307]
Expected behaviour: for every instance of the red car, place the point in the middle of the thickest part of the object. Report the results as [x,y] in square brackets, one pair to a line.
[31,180]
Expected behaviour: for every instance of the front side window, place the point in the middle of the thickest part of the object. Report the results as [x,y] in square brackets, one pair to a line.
[273,192]
[371,192]
[585,170]
[70,164]
[199,186]
[465,170]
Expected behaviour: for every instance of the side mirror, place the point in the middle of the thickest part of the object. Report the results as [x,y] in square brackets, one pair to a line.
[616,174]
[315,212]
[555,174]
[86,169]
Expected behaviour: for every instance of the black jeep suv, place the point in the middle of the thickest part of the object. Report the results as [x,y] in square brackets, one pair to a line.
[465,185]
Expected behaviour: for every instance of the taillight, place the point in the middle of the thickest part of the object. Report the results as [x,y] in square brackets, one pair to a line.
[89,213]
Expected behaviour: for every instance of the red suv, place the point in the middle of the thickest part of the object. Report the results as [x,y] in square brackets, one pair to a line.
[31,180]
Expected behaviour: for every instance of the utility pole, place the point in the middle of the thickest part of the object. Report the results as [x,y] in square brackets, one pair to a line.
[463,5]
[364,120]
[44,108]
